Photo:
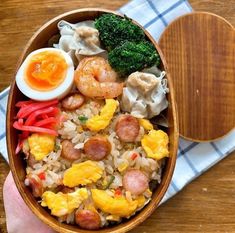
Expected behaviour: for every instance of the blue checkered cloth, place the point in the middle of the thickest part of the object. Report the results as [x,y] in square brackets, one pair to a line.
[193,158]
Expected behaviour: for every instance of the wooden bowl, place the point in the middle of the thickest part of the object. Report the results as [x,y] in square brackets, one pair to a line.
[17,163]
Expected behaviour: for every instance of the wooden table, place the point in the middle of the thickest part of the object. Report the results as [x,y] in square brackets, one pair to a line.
[205,205]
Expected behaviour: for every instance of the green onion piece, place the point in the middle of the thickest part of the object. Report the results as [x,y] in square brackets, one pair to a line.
[57,147]
[83,119]
[110,182]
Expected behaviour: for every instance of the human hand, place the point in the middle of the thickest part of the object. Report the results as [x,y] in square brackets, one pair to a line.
[19,217]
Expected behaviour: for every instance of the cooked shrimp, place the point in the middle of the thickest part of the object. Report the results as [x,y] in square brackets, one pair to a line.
[99,68]
[94,77]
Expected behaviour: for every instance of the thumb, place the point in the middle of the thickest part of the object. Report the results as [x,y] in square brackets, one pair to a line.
[19,217]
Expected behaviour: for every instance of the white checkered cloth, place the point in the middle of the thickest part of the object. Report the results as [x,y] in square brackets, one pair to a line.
[193,158]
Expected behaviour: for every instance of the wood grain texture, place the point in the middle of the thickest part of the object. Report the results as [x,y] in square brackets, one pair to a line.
[205,205]
[199,49]
[4,168]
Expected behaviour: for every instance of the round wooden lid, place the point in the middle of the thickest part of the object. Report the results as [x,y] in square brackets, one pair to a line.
[200,52]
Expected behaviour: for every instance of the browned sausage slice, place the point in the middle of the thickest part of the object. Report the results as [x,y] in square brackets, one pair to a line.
[31,161]
[35,183]
[66,190]
[73,101]
[127,128]
[69,152]
[97,148]
[135,181]
[88,219]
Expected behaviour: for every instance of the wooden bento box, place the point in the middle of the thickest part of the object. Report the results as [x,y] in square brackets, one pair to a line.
[17,164]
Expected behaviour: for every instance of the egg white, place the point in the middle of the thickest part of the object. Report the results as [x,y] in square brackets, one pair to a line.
[58,92]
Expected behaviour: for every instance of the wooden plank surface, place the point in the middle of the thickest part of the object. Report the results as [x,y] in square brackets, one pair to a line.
[206,42]
[205,205]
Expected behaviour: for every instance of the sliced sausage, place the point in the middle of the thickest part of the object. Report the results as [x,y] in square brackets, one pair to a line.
[88,219]
[135,181]
[66,190]
[69,152]
[31,161]
[72,101]
[97,148]
[34,182]
[127,128]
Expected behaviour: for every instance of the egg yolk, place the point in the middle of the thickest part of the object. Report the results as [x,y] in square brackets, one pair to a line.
[46,71]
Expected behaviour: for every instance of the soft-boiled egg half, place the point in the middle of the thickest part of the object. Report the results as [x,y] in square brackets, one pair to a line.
[46,74]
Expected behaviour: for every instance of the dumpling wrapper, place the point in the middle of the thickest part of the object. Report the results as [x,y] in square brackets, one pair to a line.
[145,94]
[79,40]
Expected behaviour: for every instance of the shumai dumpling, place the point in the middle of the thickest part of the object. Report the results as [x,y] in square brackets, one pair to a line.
[145,94]
[79,40]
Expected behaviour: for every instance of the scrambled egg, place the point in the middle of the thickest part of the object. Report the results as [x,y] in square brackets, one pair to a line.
[82,174]
[148,193]
[155,144]
[113,218]
[117,206]
[102,120]
[61,204]
[123,166]
[41,145]
[147,125]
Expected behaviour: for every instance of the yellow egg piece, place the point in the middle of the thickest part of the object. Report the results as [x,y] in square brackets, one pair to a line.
[141,201]
[123,166]
[155,144]
[147,125]
[149,192]
[113,218]
[101,121]
[82,173]
[41,145]
[118,206]
[61,203]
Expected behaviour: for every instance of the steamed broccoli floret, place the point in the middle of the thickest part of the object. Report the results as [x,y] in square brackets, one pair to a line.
[132,56]
[114,30]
